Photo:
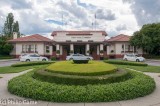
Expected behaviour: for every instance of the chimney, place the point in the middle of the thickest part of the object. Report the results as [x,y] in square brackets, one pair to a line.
[15,35]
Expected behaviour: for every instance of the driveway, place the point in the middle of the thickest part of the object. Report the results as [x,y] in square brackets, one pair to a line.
[8,62]
[149,100]
[153,62]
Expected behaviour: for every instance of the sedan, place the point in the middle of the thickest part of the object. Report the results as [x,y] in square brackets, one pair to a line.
[133,57]
[33,57]
[79,57]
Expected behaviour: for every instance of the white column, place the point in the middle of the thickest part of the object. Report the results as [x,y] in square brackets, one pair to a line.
[108,50]
[87,49]
[97,49]
[71,48]
[124,48]
[57,48]
[101,47]
[50,49]
[61,49]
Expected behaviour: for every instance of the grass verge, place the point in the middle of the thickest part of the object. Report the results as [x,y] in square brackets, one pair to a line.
[121,62]
[154,69]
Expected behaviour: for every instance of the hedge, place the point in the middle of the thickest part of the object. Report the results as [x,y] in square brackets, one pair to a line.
[26,86]
[120,62]
[81,61]
[118,76]
[20,64]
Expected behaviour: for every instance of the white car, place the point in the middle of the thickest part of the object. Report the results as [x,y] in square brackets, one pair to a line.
[32,57]
[133,57]
[79,57]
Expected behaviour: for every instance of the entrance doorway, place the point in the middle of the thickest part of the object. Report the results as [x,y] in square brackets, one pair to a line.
[79,49]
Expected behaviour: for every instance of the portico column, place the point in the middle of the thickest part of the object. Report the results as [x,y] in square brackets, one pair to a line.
[97,49]
[124,48]
[87,49]
[101,49]
[57,49]
[61,49]
[71,48]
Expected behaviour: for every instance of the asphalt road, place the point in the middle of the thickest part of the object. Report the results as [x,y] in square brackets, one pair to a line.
[8,63]
[153,62]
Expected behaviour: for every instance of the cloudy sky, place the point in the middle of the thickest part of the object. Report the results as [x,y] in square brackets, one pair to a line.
[113,16]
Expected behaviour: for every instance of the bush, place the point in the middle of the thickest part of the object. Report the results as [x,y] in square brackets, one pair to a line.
[90,69]
[81,61]
[25,86]
[53,59]
[120,62]
[21,64]
[105,58]
[118,76]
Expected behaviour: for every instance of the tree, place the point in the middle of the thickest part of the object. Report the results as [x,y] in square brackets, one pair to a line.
[10,26]
[148,38]
[5,47]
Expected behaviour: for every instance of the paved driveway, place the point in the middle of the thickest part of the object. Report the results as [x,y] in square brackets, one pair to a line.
[153,62]
[8,62]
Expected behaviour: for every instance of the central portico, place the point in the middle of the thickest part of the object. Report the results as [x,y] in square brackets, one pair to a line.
[83,42]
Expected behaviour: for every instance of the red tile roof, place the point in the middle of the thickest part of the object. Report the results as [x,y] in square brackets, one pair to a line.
[32,38]
[119,38]
[78,32]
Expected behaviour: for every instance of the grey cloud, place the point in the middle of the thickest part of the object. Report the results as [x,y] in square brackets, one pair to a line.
[33,24]
[105,14]
[17,4]
[146,11]
[121,27]
[73,9]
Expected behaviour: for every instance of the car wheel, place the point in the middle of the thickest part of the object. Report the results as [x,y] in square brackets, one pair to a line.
[88,58]
[71,59]
[137,60]
[27,60]
[125,59]
[44,60]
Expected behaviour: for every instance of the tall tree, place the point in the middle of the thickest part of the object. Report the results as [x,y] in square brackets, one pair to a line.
[10,26]
[148,38]
[16,28]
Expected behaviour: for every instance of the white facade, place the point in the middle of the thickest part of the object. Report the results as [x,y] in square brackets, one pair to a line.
[63,37]
[40,48]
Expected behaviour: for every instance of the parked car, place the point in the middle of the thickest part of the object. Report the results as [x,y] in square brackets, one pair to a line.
[32,57]
[133,57]
[78,57]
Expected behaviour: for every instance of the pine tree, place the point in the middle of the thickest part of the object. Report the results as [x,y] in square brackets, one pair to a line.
[10,26]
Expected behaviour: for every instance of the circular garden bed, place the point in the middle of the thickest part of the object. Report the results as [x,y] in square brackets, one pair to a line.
[90,69]
[57,85]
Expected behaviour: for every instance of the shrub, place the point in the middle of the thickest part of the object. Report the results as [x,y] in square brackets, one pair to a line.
[25,86]
[125,63]
[53,59]
[80,61]
[118,76]
[105,58]
[31,63]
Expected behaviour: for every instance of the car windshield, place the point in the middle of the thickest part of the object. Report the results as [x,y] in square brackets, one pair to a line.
[137,55]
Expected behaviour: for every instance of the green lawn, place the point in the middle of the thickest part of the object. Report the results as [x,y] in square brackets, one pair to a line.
[154,69]
[69,67]
[5,57]
[9,69]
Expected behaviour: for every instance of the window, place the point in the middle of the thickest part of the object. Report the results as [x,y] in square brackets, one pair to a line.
[122,46]
[47,49]
[54,48]
[23,48]
[35,48]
